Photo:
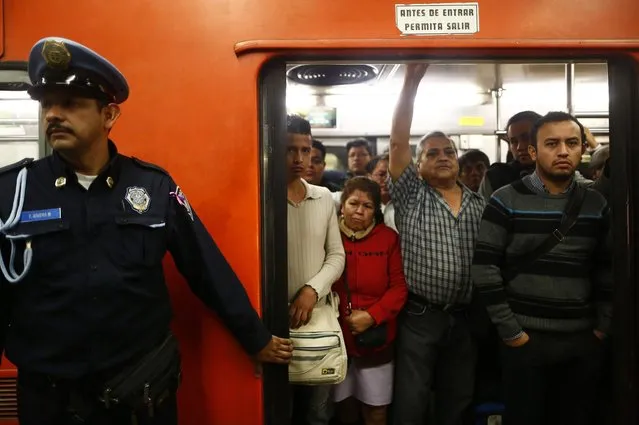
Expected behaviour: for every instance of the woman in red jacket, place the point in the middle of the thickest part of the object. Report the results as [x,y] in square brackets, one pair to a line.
[372,292]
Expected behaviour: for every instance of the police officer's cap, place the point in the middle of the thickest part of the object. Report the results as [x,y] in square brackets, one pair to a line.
[58,62]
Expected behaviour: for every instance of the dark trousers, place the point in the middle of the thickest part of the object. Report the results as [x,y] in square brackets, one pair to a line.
[311,404]
[552,379]
[434,349]
[44,401]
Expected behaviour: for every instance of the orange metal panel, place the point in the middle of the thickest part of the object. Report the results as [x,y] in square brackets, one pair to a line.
[7,373]
[1,27]
[193,110]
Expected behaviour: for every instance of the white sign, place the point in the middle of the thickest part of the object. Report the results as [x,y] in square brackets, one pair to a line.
[437,18]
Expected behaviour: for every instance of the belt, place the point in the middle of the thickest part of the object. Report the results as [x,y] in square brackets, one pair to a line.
[446,308]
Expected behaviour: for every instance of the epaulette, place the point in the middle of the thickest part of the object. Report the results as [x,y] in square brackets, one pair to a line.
[149,166]
[16,165]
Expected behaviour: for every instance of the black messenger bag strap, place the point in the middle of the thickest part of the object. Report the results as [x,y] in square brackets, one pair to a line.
[568,220]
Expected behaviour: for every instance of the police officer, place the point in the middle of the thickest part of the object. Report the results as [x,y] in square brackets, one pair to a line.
[87,300]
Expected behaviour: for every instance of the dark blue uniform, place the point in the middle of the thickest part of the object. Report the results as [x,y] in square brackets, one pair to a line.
[95,296]
[93,299]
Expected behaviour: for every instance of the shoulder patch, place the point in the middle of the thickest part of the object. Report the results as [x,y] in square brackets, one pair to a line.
[16,165]
[148,165]
[180,197]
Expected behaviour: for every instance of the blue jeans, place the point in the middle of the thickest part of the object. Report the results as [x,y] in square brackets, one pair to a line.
[311,404]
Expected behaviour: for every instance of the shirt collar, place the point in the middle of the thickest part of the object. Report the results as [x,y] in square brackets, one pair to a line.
[312,192]
[108,176]
[539,186]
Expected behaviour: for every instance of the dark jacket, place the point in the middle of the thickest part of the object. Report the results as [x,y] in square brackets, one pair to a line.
[95,296]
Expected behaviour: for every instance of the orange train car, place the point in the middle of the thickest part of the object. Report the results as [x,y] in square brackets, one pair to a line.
[207,103]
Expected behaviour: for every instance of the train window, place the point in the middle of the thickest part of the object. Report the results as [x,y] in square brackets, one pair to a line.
[19,120]
[469,101]
[590,91]
[540,87]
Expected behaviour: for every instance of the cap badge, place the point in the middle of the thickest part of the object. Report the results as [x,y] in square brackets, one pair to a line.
[56,54]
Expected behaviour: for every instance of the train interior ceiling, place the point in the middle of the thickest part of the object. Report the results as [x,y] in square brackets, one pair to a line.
[470,101]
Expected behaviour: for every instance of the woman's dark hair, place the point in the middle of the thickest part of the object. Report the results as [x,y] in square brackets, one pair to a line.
[369,187]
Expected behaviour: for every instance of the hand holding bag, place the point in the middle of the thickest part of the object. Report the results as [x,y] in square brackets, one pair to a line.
[373,337]
[319,352]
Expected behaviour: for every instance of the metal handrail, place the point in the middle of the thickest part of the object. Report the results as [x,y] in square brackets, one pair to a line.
[601,115]
[594,130]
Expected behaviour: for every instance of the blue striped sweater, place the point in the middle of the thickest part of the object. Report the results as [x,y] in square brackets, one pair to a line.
[566,290]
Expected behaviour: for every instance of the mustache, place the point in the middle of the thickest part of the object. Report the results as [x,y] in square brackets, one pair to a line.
[53,128]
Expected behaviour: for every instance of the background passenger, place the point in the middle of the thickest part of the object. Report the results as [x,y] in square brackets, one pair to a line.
[374,283]
[472,168]
[598,161]
[518,137]
[315,174]
[359,153]
[377,170]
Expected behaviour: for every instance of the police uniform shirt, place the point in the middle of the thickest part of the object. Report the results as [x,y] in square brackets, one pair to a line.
[95,296]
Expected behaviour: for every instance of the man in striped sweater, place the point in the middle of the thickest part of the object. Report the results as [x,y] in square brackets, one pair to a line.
[553,315]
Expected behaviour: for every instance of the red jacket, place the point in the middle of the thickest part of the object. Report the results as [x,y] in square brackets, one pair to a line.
[376,281]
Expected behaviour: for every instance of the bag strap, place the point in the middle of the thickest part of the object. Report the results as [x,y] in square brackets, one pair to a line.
[349,303]
[568,220]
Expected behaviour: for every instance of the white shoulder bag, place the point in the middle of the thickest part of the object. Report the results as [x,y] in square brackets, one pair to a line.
[319,352]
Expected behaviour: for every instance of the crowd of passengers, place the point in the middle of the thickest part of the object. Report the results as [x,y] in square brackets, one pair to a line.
[438,250]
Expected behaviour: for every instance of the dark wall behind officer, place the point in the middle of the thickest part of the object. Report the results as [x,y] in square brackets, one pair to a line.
[94,304]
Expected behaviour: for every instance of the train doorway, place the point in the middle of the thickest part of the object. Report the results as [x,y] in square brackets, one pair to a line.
[603,92]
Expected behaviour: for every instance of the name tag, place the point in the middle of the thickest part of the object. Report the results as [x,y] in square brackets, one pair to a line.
[41,215]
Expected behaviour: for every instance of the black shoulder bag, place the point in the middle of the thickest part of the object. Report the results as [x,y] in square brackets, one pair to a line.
[142,385]
[148,382]
[372,337]
[568,220]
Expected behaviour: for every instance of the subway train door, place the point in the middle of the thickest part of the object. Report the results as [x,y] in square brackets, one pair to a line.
[624,134]
[272,114]
[623,75]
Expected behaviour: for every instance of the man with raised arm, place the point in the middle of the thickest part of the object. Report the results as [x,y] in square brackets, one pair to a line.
[438,221]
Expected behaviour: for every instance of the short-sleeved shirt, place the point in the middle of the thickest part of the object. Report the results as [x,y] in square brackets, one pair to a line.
[437,247]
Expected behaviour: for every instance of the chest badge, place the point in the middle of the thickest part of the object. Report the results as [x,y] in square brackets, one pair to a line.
[138,198]
[60,182]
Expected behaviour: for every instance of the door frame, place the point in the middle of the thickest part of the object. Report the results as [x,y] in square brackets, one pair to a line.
[624,107]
